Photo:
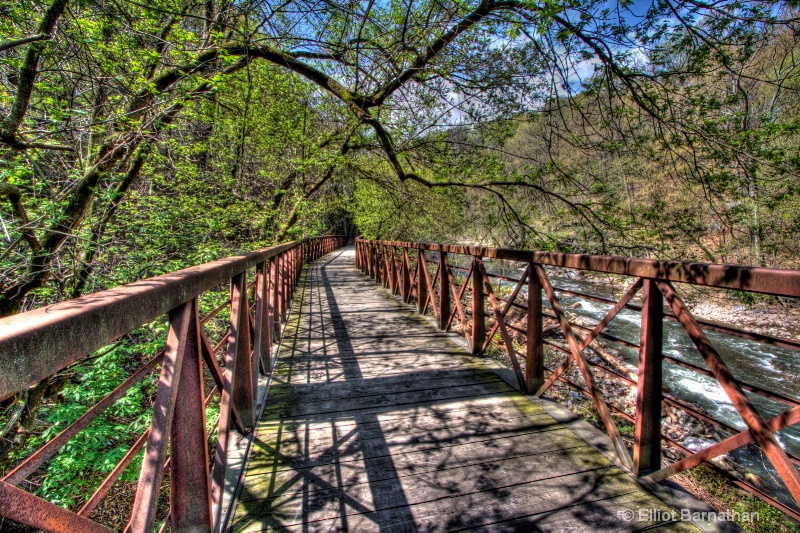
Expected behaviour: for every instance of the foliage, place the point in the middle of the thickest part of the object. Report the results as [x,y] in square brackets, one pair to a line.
[73,474]
[141,138]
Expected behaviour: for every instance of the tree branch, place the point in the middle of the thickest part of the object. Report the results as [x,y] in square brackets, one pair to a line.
[14,196]
[28,72]
[13,43]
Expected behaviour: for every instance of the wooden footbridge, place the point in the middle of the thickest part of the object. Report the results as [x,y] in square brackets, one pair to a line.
[350,405]
[375,421]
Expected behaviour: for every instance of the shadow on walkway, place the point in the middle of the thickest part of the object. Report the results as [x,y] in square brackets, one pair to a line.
[375,421]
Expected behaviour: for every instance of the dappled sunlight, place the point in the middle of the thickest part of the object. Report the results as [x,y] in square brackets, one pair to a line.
[376,421]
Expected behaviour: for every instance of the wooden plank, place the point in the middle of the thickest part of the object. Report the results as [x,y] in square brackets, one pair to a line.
[408,456]
[291,448]
[422,482]
[445,505]
[383,402]
[378,386]
[599,515]
[491,417]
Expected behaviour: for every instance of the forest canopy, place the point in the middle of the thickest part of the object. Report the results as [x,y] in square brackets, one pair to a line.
[140,137]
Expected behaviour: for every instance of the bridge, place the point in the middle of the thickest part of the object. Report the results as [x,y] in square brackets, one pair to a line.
[356,391]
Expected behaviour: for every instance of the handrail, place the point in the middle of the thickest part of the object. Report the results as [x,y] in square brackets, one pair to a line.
[409,277]
[26,339]
[37,344]
[774,281]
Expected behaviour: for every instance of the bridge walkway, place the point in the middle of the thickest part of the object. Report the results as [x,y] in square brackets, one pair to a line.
[376,421]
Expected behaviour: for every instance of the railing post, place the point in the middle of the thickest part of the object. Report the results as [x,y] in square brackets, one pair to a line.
[152,471]
[262,343]
[478,337]
[385,278]
[534,349]
[243,392]
[391,268]
[376,265]
[284,285]
[275,282]
[289,275]
[293,279]
[398,272]
[444,291]
[190,489]
[422,286]
[379,263]
[290,280]
[647,432]
[406,276]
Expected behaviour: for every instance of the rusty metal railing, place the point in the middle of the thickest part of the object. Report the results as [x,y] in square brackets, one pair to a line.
[39,343]
[402,268]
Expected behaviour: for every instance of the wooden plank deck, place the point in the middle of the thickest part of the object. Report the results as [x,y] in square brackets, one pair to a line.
[375,421]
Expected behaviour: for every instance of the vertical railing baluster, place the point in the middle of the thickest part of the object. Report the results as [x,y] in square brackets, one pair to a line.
[387,273]
[385,265]
[290,288]
[375,265]
[395,274]
[398,272]
[390,257]
[224,424]
[294,274]
[444,291]
[379,263]
[276,299]
[534,342]
[262,341]
[422,286]
[151,475]
[239,348]
[376,268]
[190,489]
[406,276]
[284,286]
[478,338]
[647,431]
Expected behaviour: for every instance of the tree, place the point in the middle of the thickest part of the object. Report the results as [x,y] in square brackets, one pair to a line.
[91,88]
